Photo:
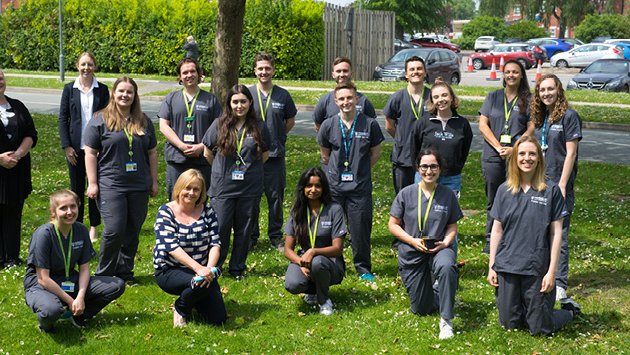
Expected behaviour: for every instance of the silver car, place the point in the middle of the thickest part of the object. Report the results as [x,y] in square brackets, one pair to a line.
[485,43]
[584,55]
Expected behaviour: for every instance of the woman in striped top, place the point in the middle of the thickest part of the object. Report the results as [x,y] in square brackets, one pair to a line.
[187,250]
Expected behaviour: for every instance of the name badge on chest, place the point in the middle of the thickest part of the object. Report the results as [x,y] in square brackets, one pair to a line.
[67,286]
[131,167]
[506,139]
[189,138]
[347,176]
[238,175]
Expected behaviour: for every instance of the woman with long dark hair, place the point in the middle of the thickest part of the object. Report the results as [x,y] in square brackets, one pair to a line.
[503,119]
[236,145]
[317,225]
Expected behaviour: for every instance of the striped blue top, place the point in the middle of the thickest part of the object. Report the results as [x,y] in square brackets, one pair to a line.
[196,239]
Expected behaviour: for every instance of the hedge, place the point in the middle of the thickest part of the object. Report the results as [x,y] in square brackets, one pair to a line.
[147,36]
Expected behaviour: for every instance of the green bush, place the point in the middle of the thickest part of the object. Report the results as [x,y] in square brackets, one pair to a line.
[147,36]
[465,43]
[525,30]
[484,26]
[616,26]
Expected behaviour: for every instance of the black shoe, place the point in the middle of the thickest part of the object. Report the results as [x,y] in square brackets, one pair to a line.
[47,330]
[238,275]
[79,322]
[12,262]
[570,305]
[130,281]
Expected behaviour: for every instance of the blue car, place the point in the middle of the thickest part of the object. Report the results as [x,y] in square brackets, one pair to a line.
[555,45]
[623,44]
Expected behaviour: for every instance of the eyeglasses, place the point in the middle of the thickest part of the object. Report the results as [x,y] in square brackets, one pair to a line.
[433,167]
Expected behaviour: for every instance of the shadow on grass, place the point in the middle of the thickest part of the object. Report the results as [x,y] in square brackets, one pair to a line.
[596,280]
[474,314]
[242,315]
[347,299]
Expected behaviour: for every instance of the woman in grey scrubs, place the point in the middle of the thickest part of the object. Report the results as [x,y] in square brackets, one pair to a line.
[236,145]
[121,166]
[525,244]
[424,220]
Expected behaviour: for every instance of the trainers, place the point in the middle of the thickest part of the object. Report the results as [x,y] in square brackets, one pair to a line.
[79,322]
[179,321]
[326,308]
[367,277]
[561,293]
[570,305]
[446,329]
[310,299]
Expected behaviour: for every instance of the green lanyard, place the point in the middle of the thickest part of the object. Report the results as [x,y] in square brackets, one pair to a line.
[263,112]
[507,113]
[66,258]
[130,139]
[312,234]
[239,146]
[417,113]
[189,108]
[422,224]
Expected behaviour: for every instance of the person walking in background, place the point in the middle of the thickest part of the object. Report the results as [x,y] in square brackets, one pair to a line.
[503,119]
[275,107]
[350,145]
[121,166]
[79,101]
[17,136]
[185,116]
[192,48]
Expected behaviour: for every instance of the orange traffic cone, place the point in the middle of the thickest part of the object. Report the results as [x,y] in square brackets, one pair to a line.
[538,73]
[470,66]
[501,64]
[493,72]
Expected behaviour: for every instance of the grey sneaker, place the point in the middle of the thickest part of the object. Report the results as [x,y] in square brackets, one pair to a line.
[446,329]
[561,293]
[570,305]
[310,299]
[326,308]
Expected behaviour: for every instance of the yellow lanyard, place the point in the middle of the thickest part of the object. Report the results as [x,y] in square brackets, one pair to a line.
[422,223]
[130,139]
[189,108]
[312,234]
[263,112]
[417,113]
[239,146]
[66,257]
[507,113]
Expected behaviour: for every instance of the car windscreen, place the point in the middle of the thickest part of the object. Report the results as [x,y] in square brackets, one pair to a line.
[607,67]
[401,56]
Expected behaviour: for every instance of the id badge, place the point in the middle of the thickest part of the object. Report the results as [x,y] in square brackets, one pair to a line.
[67,286]
[238,175]
[347,177]
[189,138]
[506,139]
[131,167]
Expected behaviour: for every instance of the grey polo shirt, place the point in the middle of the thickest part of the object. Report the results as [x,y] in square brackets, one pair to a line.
[280,109]
[326,107]
[331,226]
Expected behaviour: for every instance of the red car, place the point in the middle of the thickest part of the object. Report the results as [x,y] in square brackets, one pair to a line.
[520,52]
[428,42]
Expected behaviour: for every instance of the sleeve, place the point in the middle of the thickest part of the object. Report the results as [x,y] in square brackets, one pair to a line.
[323,136]
[486,107]
[64,116]
[369,108]
[39,249]
[288,227]
[104,97]
[166,109]
[572,126]
[497,205]
[266,137]
[289,109]
[87,253]
[468,137]
[376,134]
[558,207]
[398,206]
[92,134]
[210,137]
[28,127]
[151,133]
[338,224]
[392,107]
[165,230]
[213,226]
[319,113]
[456,211]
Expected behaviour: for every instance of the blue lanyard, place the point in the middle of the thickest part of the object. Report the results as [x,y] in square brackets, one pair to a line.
[543,136]
[347,141]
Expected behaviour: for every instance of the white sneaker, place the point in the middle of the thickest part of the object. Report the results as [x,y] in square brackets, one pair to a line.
[446,329]
[326,308]
[310,299]
[561,293]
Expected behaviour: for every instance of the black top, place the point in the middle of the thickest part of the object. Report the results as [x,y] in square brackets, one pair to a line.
[70,129]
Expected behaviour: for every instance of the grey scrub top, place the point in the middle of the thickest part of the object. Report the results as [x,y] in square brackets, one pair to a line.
[280,109]
[113,155]
[331,226]
[494,108]
[367,134]
[222,167]
[206,109]
[526,218]
[326,107]
[398,108]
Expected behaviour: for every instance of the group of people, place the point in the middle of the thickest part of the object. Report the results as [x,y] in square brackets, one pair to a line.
[219,162]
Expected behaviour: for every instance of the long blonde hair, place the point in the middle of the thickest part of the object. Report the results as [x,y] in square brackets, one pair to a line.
[513,180]
[537,108]
[114,119]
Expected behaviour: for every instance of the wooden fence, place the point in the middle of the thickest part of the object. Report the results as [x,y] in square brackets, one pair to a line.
[366,37]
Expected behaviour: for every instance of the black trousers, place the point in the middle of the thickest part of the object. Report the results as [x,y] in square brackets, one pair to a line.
[77,185]
[10,229]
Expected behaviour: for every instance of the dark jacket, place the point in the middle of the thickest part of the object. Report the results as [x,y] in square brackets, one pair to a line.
[70,113]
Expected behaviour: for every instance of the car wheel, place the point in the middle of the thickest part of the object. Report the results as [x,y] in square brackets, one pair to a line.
[455,79]
[626,88]
[562,64]
[477,63]
[524,63]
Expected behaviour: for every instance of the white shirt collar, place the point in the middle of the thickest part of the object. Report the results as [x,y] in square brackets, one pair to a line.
[77,83]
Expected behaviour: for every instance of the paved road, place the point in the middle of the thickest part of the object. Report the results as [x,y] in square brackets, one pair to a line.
[597,145]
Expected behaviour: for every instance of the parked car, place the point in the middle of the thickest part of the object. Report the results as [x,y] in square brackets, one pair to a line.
[622,43]
[600,39]
[584,55]
[555,45]
[521,52]
[438,61]
[514,40]
[485,43]
[604,74]
[400,45]
[428,42]
[540,53]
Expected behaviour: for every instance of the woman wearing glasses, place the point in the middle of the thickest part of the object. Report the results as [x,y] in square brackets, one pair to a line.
[424,220]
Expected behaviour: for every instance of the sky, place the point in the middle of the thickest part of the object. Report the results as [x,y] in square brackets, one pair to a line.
[339,2]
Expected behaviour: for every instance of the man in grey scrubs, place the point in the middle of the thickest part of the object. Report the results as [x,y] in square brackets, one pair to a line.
[275,107]
[327,107]
[349,148]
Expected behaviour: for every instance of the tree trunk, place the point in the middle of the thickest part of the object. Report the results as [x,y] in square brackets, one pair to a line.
[227,46]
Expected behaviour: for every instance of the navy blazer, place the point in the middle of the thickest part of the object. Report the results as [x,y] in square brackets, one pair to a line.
[70,113]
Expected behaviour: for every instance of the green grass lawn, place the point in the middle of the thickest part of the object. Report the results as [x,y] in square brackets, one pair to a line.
[369,318]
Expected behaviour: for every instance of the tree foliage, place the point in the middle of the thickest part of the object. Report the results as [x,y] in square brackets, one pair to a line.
[615,26]
[525,30]
[495,8]
[412,15]
[484,26]
[462,9]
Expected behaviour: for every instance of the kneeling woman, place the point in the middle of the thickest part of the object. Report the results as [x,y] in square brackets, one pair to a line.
[424,219]
[525,244]
[187,250]
[53,287]
[317,225]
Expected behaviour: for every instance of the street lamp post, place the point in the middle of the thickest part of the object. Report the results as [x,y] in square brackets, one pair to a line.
[61,66]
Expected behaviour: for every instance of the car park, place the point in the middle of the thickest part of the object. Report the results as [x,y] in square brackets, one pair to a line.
[555,45]
[521,52]
[438,61]
[622,43]
[485,43]
[584,55]
[401,44]
[429,42]
[604,74]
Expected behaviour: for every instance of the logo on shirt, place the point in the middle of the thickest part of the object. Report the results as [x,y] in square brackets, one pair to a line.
[444,135]
[277,105]
[359,108]
[77,245]
[539,200]
[440,209]
[326,224]
[362,135]
[556,128]
[201,107]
